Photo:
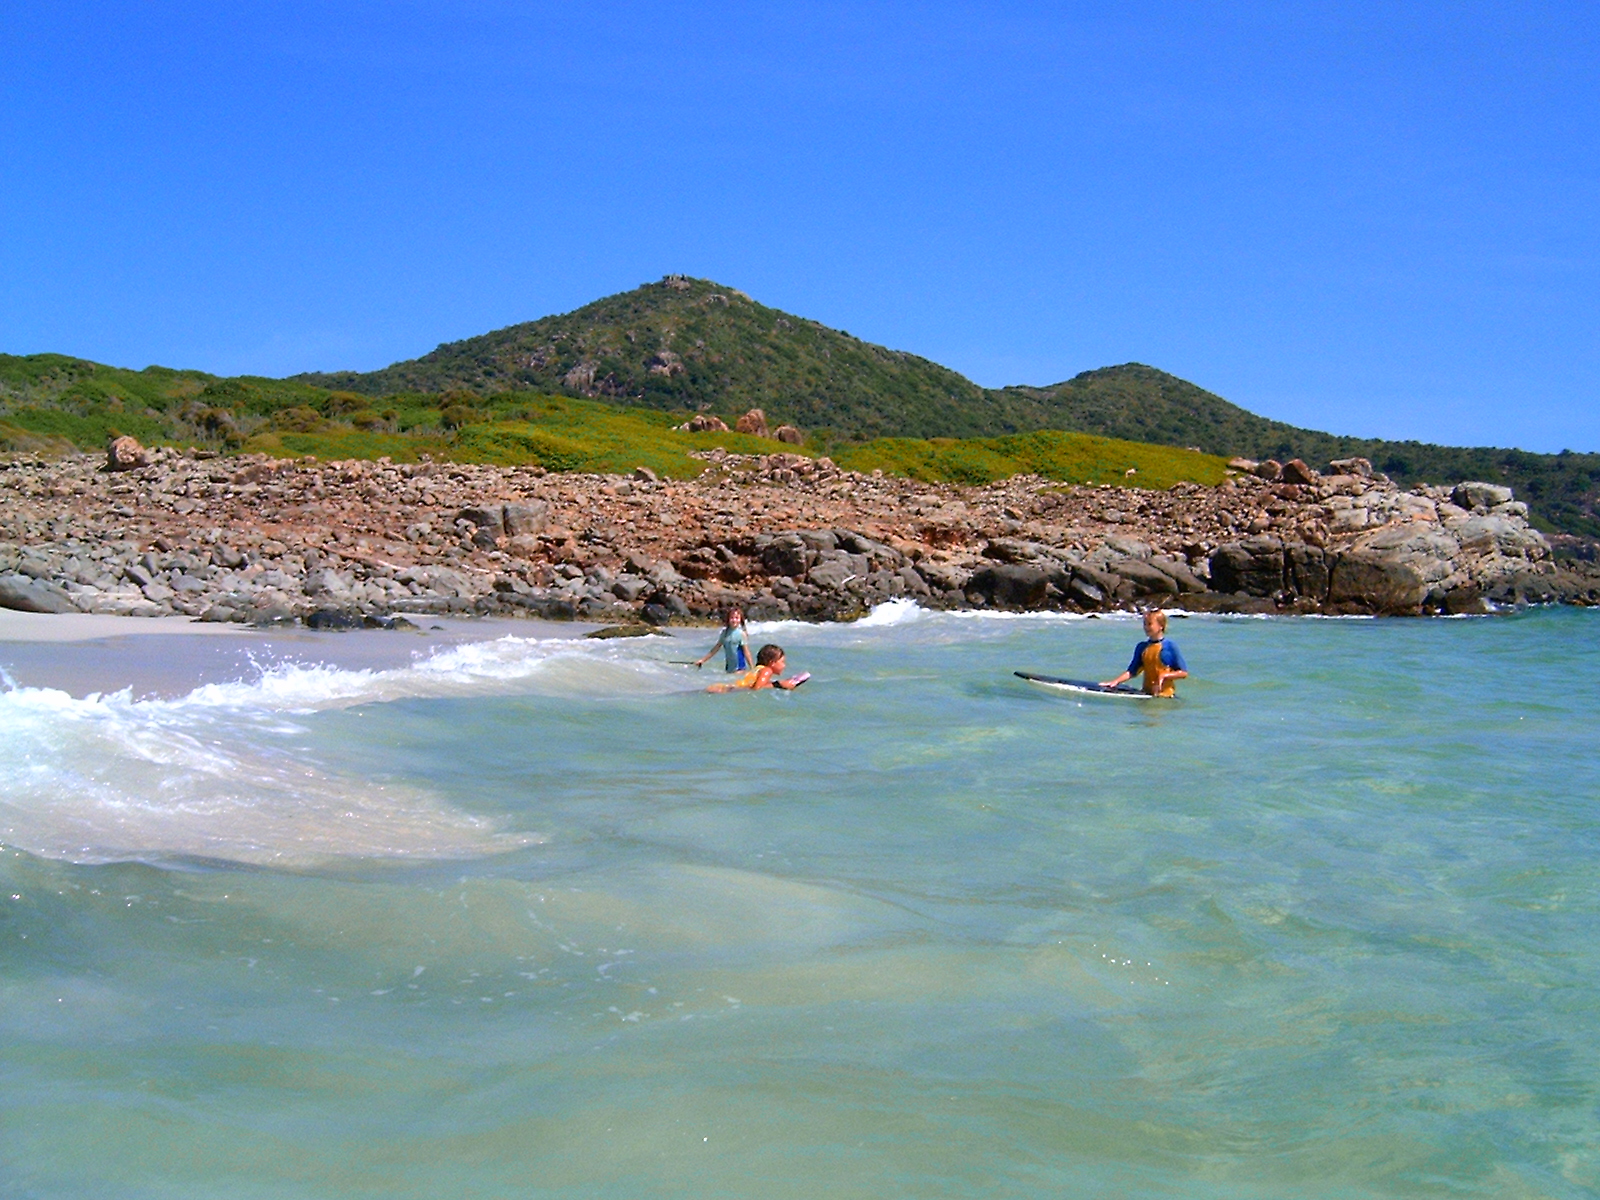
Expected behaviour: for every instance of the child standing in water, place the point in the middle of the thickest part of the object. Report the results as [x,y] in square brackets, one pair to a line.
[770,663]
[734,644]
[1158,657]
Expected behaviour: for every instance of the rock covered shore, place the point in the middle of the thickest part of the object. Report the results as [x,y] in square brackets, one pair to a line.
[264,540]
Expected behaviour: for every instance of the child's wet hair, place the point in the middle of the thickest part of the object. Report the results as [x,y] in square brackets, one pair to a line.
[768,655]
[1158,616]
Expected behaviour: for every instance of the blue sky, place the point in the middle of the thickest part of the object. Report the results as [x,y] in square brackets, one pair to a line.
[1371,219]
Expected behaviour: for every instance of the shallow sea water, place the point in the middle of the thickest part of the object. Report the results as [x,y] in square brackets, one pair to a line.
[536,918]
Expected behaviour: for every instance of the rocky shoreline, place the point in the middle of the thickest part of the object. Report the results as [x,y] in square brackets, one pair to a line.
[334,544]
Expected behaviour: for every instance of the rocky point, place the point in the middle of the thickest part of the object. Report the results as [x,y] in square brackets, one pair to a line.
[147,532]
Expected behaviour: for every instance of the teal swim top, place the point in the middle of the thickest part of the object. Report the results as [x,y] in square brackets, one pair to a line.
[735,643]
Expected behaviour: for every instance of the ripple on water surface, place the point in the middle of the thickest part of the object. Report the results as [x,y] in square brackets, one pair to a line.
[538,918]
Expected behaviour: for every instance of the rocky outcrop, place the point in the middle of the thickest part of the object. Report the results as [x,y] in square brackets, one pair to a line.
[784,534]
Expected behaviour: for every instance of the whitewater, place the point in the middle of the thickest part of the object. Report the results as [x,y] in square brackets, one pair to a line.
[515,913]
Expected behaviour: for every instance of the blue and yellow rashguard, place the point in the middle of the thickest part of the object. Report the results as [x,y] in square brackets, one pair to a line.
[1149,657]
[735,645]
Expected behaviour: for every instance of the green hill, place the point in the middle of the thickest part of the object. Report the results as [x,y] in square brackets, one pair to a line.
[691,345]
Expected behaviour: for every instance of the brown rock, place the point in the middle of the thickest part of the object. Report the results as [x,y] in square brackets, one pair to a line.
[789,434]
[1271,470]
[1296,471]
[705,423]
[126,454]
[753,422]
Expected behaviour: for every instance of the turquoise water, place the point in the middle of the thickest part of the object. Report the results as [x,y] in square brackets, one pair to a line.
[529,918]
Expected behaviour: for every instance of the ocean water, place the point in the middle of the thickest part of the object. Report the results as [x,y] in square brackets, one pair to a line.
[529,917]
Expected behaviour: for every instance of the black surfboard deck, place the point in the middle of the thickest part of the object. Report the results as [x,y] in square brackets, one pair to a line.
[1080,687]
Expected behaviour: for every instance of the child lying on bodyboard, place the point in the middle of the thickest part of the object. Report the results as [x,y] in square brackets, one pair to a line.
[770,663]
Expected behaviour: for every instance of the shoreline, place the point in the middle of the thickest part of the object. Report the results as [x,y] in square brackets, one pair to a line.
[253,541]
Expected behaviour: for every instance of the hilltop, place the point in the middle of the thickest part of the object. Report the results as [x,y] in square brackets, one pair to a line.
[693,345]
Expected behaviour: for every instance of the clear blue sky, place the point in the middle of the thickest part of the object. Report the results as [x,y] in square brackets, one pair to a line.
[1373,219]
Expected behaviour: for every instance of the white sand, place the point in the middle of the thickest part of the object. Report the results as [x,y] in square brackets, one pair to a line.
[85,627]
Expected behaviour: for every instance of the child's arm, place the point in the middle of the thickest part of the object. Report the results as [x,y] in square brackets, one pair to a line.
[700,662]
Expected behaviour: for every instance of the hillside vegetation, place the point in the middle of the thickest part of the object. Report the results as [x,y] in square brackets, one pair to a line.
[51,402]
[681,346]
[1143,404]
[693,345]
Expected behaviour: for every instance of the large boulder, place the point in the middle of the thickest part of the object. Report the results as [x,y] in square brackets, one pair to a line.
[789,435]
[1010,585]
[1253,566]
[1361,468]
[704,423]
[1295,471]
[1306,570]
[1179,572]
[33,595]
[1271,470]
[1503,535]
[753,422]
[490,520]
[1471,495]
[786,555]
[832,575]
[126,454]
[1147,580]
[1376,582]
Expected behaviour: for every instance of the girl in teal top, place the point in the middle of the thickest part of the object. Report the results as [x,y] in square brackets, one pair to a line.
[734,643]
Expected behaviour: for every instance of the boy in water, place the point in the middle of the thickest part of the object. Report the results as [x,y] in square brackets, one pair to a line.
[1157,656]
[769,665]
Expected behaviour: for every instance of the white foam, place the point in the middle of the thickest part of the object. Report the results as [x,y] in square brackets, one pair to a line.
[215,773]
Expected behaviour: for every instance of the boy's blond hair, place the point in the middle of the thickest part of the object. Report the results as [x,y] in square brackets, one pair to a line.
[1158,616]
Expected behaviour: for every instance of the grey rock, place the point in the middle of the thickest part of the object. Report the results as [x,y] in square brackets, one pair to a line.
[1470,495]
[332,618]
[786,554]
[1306,570]
[525,519]
[833,574]
[23,594]
[1084,592]
[818,539]
[631,587]
[1011,585]
[1253,566]
[491,520]
[1376,582]
[1359,467]
[1127,547]
[913,581]
[1146,579]
[324,581]
[1179,572]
